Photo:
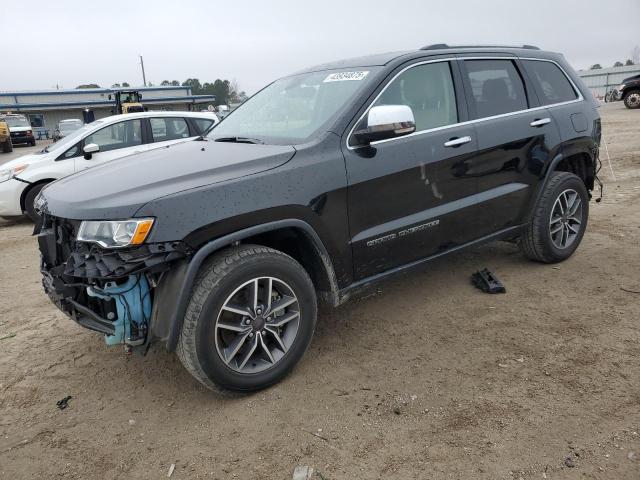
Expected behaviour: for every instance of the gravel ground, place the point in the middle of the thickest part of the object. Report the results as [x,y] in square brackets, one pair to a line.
[427,377]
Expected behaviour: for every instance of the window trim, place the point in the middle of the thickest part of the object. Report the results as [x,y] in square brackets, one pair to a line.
[468,122]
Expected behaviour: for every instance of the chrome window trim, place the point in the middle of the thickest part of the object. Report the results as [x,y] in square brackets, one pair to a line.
[468,122]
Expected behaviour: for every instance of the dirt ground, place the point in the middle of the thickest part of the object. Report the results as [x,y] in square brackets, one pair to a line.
[427,378]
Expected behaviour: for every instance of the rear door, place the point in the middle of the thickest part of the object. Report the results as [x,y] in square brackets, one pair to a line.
[515,140]
[408,196]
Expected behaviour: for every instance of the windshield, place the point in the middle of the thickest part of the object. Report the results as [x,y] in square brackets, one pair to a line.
[71,139]
[69,126]
[292,109]
[17,122]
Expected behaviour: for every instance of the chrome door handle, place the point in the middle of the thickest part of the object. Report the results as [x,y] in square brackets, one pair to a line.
[540,122]
[456,142]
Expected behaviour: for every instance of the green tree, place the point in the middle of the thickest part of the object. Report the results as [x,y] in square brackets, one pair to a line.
[125,84]
[597,66]
[629,62]
[618,64]
[88,85]
[165,83]
[194,83]
[175,83]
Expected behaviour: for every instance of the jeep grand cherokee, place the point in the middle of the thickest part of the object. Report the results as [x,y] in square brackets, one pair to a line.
[322,183]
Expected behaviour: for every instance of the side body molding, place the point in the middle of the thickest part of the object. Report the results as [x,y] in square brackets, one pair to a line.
[169,309]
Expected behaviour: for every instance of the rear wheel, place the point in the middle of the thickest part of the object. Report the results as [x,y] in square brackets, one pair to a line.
[29,202]
[632,99]
[559,221]
[250,319]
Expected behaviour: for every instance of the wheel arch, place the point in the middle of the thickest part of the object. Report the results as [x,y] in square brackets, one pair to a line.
[31,186]
[301,242]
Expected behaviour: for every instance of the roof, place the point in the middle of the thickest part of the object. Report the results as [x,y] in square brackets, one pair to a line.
[155,113]
[75,91]
[104,103]
[431,50]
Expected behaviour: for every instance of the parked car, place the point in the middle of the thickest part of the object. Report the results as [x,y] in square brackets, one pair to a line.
[318,186]
[629,92]
[20,128]
[66,128]
[99,142]
[5,137]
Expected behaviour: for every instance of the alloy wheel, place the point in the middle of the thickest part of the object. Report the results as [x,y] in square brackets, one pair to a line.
[566,219]
[257,325]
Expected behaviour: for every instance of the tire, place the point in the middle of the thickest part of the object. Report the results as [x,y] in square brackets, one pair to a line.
[8,146]
[551,239]
[632,99]
[29,199]
[206,347]
[33,142]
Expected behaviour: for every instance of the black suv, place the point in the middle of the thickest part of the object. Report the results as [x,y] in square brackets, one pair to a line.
[322,183]
[629,92]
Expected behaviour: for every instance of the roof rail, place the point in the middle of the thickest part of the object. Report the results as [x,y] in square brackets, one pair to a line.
[443,46]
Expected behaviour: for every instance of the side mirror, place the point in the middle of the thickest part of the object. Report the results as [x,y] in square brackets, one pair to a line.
[386,121]
[89,150]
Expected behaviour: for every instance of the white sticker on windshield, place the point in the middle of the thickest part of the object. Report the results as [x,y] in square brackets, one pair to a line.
[344,76]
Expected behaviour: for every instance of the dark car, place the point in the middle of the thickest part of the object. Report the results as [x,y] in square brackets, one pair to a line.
[629,92]
[321,184]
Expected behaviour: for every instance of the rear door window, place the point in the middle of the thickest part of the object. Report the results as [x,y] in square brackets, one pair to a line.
[496,87]
[551,84]
[169,128]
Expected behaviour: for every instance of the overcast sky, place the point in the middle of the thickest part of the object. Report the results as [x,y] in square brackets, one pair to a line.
[68,43]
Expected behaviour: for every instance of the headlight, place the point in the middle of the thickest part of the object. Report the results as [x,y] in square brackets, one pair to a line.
[621,86]
[9,173]
[115,234]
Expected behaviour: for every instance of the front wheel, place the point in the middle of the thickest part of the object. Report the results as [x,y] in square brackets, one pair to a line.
[29,202]
[8,146]
[251,317]
[559,221]
[632,99]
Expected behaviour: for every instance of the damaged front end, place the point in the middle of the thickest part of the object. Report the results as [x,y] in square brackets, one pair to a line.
[107,290]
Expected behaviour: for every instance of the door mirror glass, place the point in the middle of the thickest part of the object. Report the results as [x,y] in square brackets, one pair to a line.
[89,150]
[386,121]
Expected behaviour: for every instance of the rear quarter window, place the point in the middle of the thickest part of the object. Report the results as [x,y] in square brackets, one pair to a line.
[550,82]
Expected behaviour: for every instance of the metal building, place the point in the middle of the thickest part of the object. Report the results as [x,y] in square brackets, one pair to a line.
[47,107]
[602,80]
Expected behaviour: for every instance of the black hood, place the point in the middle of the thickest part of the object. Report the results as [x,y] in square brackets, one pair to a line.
[117,189]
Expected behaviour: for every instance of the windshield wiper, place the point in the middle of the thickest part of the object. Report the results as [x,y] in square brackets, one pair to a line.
[239,140]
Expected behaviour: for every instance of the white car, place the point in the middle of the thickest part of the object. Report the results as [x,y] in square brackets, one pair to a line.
[93,144]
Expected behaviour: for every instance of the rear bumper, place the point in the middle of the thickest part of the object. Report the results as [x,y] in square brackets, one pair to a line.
[10,194]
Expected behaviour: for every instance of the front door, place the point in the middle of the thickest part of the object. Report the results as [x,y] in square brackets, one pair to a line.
[115,141]
[408,196]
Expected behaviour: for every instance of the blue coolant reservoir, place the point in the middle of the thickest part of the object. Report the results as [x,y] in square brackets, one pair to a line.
[133,304]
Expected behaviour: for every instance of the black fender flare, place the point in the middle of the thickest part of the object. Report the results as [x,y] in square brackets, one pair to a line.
[546,176]
[173,292]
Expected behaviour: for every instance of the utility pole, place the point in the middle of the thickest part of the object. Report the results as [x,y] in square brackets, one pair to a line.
[144,78]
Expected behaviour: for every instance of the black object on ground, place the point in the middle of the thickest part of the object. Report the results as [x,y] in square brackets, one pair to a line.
[64,403]
[487,282]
